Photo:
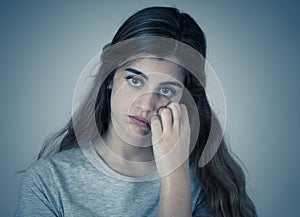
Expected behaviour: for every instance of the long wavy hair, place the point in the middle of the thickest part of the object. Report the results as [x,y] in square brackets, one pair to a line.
[222,179]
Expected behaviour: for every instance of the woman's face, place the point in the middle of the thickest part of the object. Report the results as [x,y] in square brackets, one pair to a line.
[139,89]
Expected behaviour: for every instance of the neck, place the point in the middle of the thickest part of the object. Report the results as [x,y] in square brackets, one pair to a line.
[126,159]
[140,151]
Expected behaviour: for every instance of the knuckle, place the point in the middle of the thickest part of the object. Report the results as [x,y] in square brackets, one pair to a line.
[163,110]
[173,104]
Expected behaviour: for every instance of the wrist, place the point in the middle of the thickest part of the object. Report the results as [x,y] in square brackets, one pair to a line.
[180,176]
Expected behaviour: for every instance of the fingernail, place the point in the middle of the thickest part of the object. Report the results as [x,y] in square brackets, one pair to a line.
[154,117]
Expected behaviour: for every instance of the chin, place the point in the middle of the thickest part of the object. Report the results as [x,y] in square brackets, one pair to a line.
[139,131]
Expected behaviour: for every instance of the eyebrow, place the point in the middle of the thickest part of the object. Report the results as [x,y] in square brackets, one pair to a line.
[137,72]
[171,83]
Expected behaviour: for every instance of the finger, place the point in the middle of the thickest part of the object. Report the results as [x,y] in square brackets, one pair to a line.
[156,129]
[185,127]
[184,116]
[175,108]
[166,118]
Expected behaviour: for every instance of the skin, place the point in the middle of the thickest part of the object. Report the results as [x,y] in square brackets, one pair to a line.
[151,88]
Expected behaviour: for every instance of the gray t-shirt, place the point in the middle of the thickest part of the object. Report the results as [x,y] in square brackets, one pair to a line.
[68,184]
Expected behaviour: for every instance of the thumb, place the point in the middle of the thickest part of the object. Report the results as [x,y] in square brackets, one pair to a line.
[156,129]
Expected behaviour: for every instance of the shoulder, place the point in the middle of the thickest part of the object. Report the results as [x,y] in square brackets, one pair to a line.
[197,191]
[68,158]
[199,199]
[195,182]
[44,168]
[42,182]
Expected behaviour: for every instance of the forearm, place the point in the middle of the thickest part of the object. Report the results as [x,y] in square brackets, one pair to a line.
[176,194]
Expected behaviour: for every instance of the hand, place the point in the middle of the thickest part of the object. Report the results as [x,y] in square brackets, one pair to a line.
[170,138]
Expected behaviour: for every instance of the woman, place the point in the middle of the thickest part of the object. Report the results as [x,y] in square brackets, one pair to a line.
[134,144]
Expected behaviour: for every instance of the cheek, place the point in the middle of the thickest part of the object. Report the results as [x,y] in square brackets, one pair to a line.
[178,97]
[122,101]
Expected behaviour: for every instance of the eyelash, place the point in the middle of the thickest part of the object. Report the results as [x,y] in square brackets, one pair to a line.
[129,79]
[173,92]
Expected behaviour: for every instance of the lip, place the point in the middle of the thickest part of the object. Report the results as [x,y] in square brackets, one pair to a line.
[140,121]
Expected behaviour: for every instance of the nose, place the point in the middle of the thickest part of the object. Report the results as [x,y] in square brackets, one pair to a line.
[151,102]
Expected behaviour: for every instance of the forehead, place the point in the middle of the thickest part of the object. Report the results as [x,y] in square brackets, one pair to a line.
[155,67]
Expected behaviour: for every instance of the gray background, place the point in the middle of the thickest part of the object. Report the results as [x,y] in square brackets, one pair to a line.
[252,46]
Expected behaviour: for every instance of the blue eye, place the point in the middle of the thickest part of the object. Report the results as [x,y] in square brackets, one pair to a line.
[134,81]
[167,92]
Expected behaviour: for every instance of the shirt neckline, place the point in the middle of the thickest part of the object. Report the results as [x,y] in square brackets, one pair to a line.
[92,156]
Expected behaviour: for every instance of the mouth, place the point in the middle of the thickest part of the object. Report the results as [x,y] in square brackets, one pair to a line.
[140,121]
